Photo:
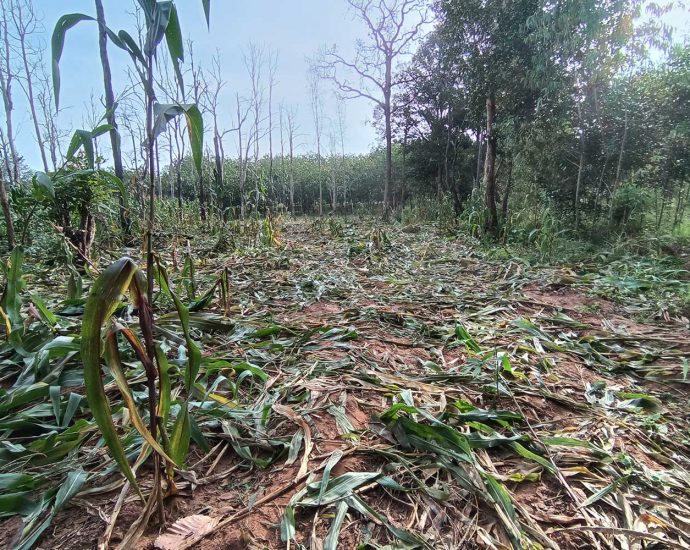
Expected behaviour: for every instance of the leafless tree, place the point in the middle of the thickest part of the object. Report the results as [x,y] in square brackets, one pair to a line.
[254,60]
[316,103]
[244,146]
[24,25]
[290,115]
[272,69]
[212,96]
[392,27]
[52,135]
[7,77]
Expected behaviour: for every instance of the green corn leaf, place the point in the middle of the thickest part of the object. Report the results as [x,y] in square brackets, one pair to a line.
[173,39]
[181,434]
[165,389]
[115,365]
[11,300]
[82,139]
[74,482]
[332,461]
[194,360]
[157,18]
[63,24]
[287,524]
[48,316]
[207,11]
[604,491]
[331,542]
[337,488]
[13,481]
[164,113]
[104,298]
[72,405]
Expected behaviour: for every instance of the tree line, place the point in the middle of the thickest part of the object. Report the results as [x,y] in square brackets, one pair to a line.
[580,108]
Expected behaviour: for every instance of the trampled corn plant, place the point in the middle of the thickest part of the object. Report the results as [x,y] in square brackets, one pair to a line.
[121,277]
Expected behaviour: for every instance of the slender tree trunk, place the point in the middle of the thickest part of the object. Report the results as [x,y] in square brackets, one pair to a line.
[178,177]
[621,153]
[387,113]
[7,212]
[403,179]
[489,168]
[159,183]
[6,77]
[446,152]
[125,222]
[291,144]
[30,97]
[580,169]
[219,172]
[478,176]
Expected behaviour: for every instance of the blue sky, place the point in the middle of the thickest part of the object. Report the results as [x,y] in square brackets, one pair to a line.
[296,29]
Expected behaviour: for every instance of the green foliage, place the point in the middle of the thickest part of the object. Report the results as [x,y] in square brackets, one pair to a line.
[628,207]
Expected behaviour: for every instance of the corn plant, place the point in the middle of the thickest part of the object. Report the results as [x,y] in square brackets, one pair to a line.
[161,22]
[122,277]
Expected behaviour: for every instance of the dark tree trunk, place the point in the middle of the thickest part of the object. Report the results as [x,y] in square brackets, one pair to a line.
[125,222]
[580,168]
[389,135]
[489,168]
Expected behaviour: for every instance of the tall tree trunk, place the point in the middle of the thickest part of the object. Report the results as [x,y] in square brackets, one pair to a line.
[125,222]
[580,169]
[446,153]
[178,176]
[6,77]
[489,168]
[478,176]
[403,178]
[387,89]
[5,202]
[621,153]
[30,91]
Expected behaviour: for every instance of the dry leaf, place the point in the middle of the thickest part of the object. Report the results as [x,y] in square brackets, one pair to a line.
[184,529]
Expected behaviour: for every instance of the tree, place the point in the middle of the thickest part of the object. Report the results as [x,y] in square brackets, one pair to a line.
[110,106]
[392,27]
[316,104]
[7,76]
[291,114]
[7,213]
[488,39]
[212,92]
[25,24]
